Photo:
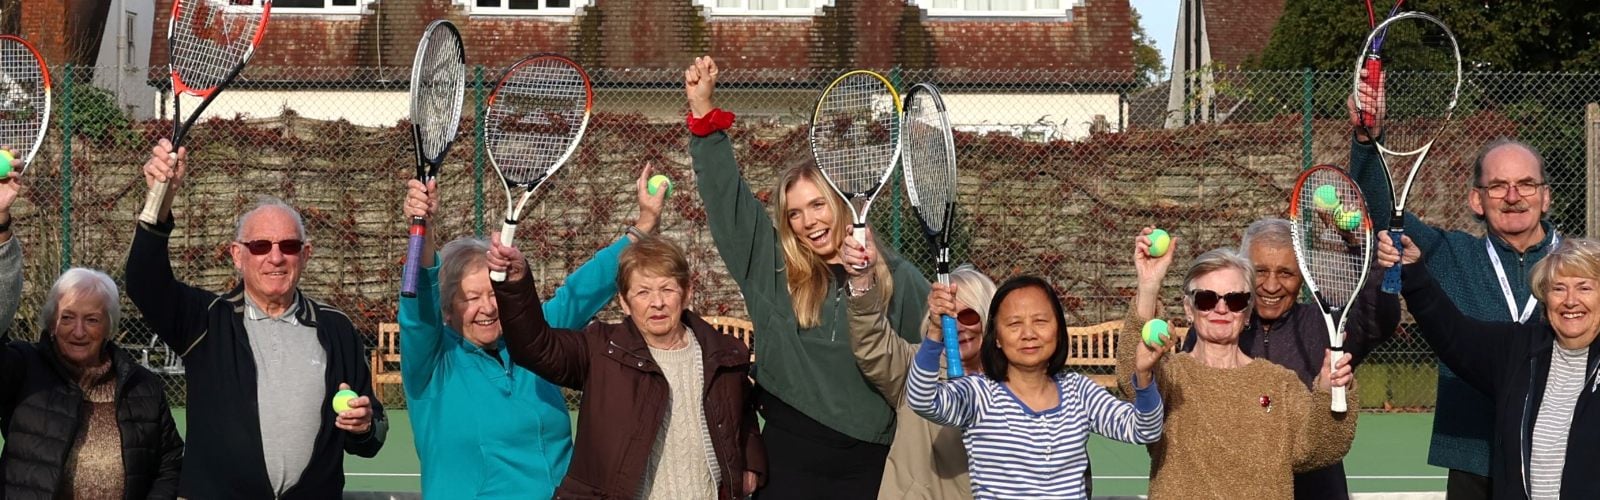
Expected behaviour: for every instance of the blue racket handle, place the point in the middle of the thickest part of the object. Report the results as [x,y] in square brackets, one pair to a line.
[1391,278]
[952,347]
[408,275]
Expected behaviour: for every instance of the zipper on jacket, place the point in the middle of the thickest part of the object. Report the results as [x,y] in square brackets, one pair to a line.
[1522,437]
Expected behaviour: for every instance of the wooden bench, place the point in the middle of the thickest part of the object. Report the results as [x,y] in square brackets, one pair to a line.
[1096,347]
[385,361]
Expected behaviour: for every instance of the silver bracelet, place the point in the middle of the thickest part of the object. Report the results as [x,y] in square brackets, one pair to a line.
[850,285]
[637,234]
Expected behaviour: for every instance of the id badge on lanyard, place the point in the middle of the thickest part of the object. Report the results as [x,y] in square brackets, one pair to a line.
[1505,286]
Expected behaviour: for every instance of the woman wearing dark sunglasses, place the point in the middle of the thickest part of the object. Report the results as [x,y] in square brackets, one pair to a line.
[1236,426]
[1026,420]
[926,460]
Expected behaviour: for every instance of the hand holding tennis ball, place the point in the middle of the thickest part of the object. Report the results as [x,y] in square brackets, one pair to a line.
[659,182]
[1160,241]
[341,400]
[5,162]
[1326,198]
[1155,333]
[1347,220]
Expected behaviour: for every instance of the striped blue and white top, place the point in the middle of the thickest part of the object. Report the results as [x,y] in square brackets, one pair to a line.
[1015,452]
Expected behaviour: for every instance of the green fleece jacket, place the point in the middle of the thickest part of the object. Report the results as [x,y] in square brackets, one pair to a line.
[811,369]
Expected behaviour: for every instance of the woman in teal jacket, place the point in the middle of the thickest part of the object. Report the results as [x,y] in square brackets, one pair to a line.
[827,429]
[485,427]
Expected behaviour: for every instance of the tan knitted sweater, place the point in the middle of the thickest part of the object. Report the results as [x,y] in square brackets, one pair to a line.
[1235,433]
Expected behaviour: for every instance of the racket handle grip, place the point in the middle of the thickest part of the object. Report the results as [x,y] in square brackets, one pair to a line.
[408,275]
[1391,277]
[152,203]
[1373,78]
[859,232]
[508,232]
[1339,404]
[952,347]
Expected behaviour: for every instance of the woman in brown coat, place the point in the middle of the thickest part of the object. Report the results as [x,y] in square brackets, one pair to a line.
[666,410]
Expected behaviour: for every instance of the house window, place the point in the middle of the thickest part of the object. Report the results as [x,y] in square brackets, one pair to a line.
[763,7]
[129,42]
[311,6]
[997,8]
[527,7]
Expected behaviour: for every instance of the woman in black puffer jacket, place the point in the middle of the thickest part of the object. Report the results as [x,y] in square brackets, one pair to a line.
[81,418]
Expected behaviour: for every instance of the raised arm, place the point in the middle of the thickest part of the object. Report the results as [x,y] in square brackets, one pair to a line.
[589,288]
[1477,351]
[1374,319]
[951,403]
[422,326]
[883,357]
[561,356]
[1139,364]
[173,309]
[1139,422]
[1366,168]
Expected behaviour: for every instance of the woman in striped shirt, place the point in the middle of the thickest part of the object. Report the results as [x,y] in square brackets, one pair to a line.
[1026,421]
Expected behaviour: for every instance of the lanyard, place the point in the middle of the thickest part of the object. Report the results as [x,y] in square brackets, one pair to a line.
[1505,286]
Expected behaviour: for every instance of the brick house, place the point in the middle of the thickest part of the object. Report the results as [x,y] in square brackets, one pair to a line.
[1074,57]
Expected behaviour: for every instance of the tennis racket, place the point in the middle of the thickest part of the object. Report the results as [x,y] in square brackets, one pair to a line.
[1417,91]
[24,98]
[438,78]
[208,44]
[855,136]
[1374,63]
[537,115]
[930,169]
[1333,244]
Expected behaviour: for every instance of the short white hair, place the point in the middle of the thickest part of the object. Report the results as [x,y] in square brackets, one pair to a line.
[265,202]
[82,281]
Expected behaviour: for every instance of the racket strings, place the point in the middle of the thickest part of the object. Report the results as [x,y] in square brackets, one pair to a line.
[23,97]
[1421,82]
[928,159]
[535,117]
[209,38]
[854,133]
[1332,237]
[439,83]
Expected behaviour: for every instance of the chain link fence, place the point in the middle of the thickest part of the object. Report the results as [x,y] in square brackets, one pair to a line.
[1056,177]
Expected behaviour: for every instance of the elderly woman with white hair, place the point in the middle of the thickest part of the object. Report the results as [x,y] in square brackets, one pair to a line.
[1543,376]
[926,460]
[82,418]
[1236,426]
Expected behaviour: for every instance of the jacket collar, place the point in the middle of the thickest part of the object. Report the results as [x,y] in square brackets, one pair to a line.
[1540,247]
[122,363]
[305,310]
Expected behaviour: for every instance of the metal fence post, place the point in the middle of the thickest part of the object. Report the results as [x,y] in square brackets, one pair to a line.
[477,151]
[1591,140]
[66,169]
[1308,89]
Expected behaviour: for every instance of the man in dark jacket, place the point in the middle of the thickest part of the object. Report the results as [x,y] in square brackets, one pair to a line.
[262,360]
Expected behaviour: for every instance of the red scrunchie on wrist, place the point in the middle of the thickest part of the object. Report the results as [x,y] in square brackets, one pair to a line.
[703,126]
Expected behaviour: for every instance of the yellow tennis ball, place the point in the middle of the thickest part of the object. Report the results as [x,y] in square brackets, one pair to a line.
[656,183]
[1154,331]
[1326,197]
[1347,220]
[341,400]
[1160,241]
[5,162]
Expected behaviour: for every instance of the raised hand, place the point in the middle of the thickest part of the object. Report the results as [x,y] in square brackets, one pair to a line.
[698,81]
[505,258]
[650,205]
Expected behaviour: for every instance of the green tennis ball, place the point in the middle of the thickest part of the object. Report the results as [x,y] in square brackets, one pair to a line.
[1154,331]
[1326,198]
[655,184]
[5,162]
[1347,220]
[1160,241]
[341,400]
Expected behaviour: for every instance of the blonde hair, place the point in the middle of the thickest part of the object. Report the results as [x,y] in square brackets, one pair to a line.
[1572,257]
[973,289]
[807,273]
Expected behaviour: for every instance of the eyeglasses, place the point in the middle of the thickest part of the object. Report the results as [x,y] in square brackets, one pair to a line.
[968,317]
[1501,189]
[263,247]
[1206,300]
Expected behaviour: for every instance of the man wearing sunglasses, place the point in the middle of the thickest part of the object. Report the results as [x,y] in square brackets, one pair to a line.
[262,361]
[1487,277]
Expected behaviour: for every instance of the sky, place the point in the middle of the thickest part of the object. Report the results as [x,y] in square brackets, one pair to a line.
[1161,22]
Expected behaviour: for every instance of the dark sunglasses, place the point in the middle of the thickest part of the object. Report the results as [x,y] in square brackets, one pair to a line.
[263,247]
[1206,300]
[968,317]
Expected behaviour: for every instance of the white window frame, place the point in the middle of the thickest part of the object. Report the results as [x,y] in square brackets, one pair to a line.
[814,9]
[1065,11]
[361,7]
[474,9]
